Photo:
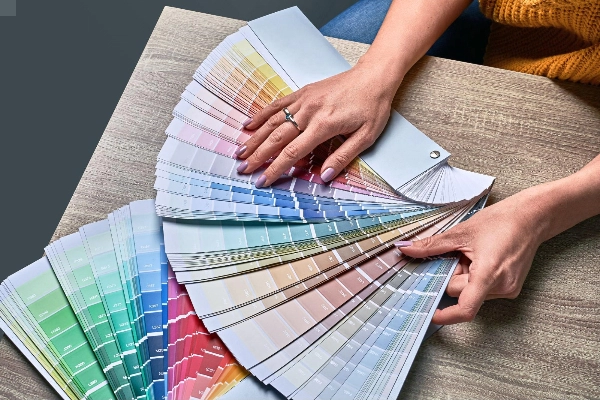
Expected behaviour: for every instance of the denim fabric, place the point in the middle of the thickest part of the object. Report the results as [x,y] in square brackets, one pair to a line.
[464,40]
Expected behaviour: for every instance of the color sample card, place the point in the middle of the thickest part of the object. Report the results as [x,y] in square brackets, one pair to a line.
[199,364]
[102,317]
[36,313]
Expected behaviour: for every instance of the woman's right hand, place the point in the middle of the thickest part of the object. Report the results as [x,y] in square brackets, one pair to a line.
[355,104]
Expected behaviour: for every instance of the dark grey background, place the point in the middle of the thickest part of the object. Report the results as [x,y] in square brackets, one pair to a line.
[63,67]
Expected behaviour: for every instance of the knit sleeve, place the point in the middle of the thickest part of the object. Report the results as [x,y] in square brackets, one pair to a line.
[579,17]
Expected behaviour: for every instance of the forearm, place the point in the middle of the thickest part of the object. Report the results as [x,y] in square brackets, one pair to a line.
[410,28]
[559,205]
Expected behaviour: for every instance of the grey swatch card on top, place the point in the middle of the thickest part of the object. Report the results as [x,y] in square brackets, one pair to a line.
[308,57]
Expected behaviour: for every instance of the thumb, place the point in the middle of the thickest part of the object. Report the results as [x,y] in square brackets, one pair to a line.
[431,246]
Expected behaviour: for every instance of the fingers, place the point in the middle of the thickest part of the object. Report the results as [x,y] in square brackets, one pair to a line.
[274,122]
[470,300]
[435,245]
[263,115]
[302,145]
[279,139]
[459,278]
[457,284]
[348,151]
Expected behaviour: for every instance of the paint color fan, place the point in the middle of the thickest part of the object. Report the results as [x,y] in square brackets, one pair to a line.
[301,280]
[102,317]
[301,318]
[245,73]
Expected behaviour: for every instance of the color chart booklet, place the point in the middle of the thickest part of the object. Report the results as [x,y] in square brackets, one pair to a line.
[219,289]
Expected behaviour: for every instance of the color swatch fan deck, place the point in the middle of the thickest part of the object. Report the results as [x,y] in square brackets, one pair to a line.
[301,280]
[220,289]
[102,317]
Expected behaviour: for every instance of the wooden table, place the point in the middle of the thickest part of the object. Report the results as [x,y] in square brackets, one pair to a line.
[523,129]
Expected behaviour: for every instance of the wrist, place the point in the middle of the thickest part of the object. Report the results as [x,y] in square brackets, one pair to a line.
[535,208]
[384,73]
[556,206]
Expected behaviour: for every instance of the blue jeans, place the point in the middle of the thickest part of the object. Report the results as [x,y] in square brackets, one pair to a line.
[464,40]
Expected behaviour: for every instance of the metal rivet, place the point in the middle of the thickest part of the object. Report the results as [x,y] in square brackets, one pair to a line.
[434,154]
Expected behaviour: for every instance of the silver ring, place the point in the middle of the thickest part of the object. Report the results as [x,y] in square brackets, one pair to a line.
[290,118]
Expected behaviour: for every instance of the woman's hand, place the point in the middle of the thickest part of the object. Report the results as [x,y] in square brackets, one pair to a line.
[497,244]
[355,104]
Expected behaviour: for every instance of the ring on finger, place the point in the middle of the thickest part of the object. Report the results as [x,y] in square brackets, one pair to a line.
[289,117]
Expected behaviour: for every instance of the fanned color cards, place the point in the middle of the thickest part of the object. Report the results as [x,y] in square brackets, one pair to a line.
[301,280]
[218,288]
[102,317]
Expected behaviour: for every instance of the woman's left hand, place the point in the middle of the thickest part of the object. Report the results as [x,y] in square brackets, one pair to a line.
[497,244]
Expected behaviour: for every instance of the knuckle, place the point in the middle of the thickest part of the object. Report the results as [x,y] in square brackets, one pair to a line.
[318,123]
[469,313]
[341,160]
[460,235]
[426,241]
[453,291]
[291,152]
[315,102]
[276,137]
[305,91]
[370,139]
[277,104]
[320,102]
[273,122]
[510,284]
[254,159]
[484,278]
[258,157]
[512,287]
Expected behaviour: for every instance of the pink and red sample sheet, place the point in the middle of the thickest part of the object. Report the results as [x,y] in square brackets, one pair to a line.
[301,280]
[200,366]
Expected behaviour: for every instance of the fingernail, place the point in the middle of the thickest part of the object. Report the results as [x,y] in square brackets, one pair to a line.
[242,167]
[328,174]
[241,150]
[246,122]
[261,181]
[403,243]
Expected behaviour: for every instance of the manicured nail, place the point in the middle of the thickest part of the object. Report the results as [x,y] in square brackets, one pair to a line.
[403,243]
[242,167]
[328,175]
[246,122]
[241,150]
[261,181]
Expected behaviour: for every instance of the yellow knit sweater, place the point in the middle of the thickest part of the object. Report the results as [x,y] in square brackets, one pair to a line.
[555,38]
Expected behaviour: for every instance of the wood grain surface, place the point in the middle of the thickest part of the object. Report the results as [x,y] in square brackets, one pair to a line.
[523,129]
